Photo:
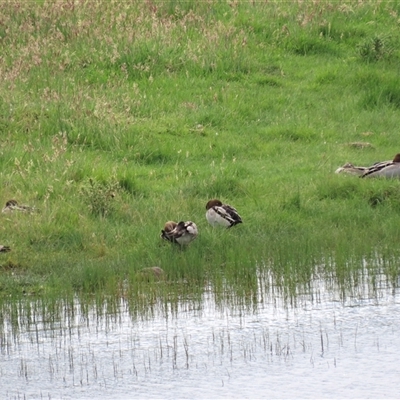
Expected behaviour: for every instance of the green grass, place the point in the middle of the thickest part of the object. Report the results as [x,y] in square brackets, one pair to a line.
[115,118]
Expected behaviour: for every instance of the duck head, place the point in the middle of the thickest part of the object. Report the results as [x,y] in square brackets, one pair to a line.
[213,203]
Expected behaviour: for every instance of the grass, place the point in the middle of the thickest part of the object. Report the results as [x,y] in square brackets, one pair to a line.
[118,117]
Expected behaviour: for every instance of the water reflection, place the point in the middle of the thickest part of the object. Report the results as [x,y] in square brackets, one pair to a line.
[322,343]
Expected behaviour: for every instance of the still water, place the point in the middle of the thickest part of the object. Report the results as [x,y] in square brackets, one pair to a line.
[325,344]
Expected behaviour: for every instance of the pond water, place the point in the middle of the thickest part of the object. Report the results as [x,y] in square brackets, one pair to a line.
[325,344]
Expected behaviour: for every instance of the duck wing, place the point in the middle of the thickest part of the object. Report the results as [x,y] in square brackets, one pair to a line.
[376,169]
[229,213]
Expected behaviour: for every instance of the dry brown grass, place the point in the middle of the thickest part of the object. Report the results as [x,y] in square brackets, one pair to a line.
[63,35]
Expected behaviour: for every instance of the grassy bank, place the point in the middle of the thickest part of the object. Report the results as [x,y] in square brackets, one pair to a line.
[118,116]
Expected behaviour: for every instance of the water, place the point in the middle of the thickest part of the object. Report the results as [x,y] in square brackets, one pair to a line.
[325,344]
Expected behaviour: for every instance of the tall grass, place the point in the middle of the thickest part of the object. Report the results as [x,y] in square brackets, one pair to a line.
[118,117]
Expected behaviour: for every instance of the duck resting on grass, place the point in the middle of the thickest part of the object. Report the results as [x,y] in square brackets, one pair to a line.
[385,169]
[181,233]
[12,205]
[4,249]
[219,214]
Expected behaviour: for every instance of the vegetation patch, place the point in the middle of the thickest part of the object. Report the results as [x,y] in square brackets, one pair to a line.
[116,118]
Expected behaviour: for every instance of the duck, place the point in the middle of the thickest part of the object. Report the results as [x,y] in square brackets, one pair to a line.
[12,205]
[384,169]
[181,233]
[4,249]
[219,214]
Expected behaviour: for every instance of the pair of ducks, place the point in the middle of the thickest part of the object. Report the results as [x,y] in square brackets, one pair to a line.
[384,169]
[218,214]
[183,233]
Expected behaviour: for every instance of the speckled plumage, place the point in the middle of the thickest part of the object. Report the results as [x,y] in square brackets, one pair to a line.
[349,168]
